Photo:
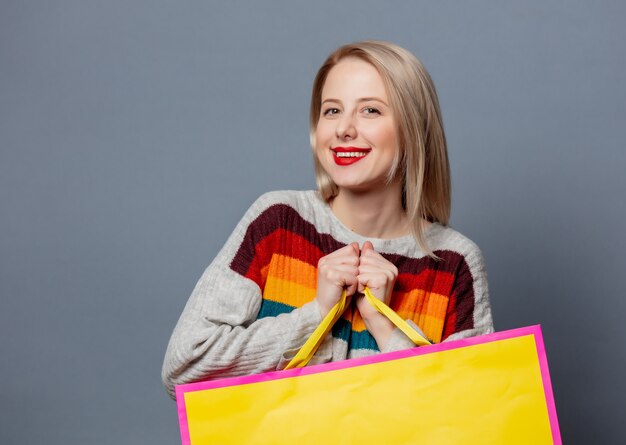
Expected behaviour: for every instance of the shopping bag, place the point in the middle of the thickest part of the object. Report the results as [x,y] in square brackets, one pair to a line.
[491,389]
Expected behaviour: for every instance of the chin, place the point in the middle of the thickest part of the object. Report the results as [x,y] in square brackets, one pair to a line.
[358,186]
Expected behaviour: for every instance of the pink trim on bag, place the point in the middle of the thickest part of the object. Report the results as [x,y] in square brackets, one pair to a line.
[534,330]
[547,385]
[182,414]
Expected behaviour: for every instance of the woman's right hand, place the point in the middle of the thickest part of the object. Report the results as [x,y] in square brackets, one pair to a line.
[335,272]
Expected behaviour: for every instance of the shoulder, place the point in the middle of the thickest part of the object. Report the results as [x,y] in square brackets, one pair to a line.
[446,239]
[291,198]
[282,207]
[302,201]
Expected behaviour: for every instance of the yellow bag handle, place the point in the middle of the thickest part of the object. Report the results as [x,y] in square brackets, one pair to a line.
[307,350]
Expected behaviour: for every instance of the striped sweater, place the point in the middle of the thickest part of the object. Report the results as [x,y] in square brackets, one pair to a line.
[254,306]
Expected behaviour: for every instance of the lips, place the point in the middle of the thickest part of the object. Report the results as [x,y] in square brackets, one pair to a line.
[349,155]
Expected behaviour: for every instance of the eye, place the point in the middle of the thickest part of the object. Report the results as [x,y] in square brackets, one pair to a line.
[371,110]
[330,111]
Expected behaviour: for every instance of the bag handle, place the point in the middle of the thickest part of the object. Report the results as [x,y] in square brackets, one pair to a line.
[307,350]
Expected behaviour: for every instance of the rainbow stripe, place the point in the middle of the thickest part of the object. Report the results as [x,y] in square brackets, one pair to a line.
[284,265]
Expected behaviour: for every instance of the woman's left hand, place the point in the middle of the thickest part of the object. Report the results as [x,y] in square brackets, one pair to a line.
[379,275]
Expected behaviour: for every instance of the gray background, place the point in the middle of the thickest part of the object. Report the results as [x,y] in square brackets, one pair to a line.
[134,134]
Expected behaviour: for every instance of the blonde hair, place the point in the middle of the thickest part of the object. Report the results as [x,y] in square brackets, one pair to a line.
[422,158]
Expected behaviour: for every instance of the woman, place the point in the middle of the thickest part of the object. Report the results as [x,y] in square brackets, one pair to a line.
[378,220]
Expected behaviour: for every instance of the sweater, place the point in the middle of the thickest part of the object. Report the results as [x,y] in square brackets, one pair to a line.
[254,306]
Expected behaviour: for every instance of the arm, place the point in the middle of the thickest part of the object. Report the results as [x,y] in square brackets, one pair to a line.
[469,311]
[218,334]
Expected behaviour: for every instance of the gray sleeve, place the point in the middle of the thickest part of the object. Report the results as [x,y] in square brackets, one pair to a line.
[218,334]
[481,315]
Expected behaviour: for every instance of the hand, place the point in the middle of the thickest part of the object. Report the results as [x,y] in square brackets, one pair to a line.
[336,271]
[379,275]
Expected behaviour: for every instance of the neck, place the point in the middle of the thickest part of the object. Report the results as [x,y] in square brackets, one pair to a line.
[376,213]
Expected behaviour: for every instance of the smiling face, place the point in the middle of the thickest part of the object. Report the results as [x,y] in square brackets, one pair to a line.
[356,135]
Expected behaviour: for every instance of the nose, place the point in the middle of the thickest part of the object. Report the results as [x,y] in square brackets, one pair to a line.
[346,127]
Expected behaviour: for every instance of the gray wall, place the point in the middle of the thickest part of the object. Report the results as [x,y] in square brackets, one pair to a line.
[133,135]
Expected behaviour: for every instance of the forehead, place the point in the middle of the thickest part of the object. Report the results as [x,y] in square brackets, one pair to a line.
[353,78]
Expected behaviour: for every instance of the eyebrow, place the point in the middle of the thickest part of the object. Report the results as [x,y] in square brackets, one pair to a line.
[362,99]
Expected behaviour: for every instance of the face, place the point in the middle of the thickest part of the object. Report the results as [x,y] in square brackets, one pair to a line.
[355,139]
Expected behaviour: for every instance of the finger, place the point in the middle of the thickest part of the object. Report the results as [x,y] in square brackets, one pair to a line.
[367,245]
[371,253]
[351,290]
[375,279]
[373,257]
[336,275]
[345,255]
[378,261]
[350,284]
[379,286]
[328,270]
[374,260]
[370,281]
[378,267]
[352,249]
[342,280]
[348,250]
[355,247]
[352,260]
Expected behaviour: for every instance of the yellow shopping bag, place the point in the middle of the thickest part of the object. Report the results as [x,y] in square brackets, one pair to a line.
[492,389]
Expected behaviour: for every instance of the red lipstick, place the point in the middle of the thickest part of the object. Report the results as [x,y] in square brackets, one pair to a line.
[349,155]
